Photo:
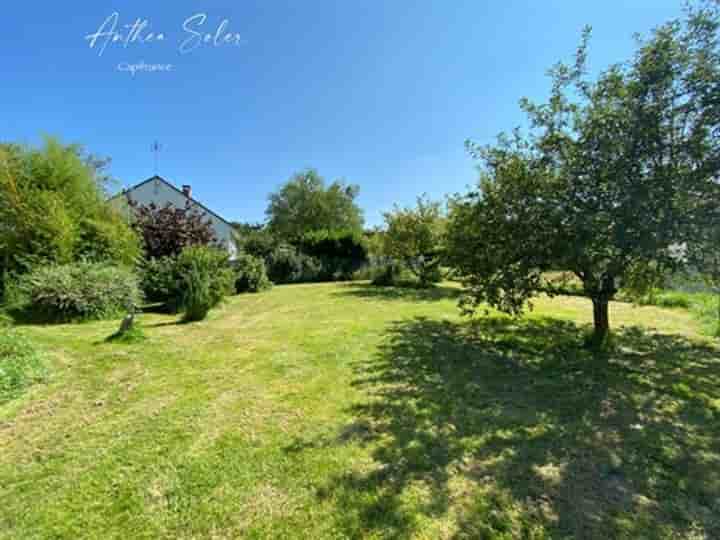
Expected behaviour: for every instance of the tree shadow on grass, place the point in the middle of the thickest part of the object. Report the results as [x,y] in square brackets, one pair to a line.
[408,294]
[508,427]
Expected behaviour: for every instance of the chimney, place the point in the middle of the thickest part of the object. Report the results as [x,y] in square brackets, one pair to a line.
[187,191]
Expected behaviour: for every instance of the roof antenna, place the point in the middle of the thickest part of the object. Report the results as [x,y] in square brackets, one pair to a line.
[155,149]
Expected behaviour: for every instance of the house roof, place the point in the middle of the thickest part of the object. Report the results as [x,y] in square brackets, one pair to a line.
[161,179]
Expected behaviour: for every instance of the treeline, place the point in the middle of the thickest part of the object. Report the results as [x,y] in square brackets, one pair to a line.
[314,232]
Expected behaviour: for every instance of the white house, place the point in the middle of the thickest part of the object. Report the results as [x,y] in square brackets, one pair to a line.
[161,192]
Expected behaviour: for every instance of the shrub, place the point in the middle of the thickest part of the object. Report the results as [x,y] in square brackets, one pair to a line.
[706,308]
[673,299]
[20,364]
[366,272]
[386,276]
[250,274]
[287,265]
[340,253]
[167,230]
[258,242]
[206,278]
[75,292]
[160,281]
[394,275]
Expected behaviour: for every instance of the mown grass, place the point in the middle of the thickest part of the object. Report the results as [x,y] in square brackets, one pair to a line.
[347,411]
[684,293]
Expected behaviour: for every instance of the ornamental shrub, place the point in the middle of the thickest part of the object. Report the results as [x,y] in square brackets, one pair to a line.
[159,279]
[250,274]
[206,278]
[340,253]
[287,265]
[76,292]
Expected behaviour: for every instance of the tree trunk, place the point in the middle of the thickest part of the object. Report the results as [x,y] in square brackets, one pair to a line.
[601,320]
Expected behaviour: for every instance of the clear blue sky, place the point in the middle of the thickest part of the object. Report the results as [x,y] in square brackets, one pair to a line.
[381,93]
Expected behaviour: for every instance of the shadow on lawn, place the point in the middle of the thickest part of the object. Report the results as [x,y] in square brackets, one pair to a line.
[514,429]
[409,294]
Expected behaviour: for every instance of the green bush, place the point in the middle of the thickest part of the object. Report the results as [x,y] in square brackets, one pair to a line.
[250,274]
[659,297]
[365,273]
[160,281]
[706,308]
[206,278]
[75,292]
[287,265]
[340,253]
[674,299]
[20,364]
[393,275]
[53,209]
[257,242]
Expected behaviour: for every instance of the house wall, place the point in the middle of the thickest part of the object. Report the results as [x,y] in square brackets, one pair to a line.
[158,192]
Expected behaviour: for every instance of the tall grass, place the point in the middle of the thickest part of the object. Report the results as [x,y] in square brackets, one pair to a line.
[21,364]
[706,308]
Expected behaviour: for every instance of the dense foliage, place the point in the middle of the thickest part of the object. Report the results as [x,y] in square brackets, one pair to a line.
[305,204]
[288,265]
[20,364]
[617,173]
[317,255]
[414,238]
[205,278]
[53,209]
[165,231]
[340,253]
[250,274]
[159,280]
[255,240]
[205,270]
[76,292]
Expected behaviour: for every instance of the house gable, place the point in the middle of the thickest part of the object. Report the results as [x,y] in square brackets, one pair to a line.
[159,191]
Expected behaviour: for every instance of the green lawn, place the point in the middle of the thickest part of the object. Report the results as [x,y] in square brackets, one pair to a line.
[342,410]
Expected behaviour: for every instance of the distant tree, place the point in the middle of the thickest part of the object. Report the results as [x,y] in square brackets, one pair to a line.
[53,209]
[414,237]
[245,228]
[254,239]
[340,253]
[165,231]
[305,204]
[617,173]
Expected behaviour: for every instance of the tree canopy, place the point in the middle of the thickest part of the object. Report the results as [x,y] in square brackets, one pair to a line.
[414,237]
[615,174]
[306,204]
[53,209]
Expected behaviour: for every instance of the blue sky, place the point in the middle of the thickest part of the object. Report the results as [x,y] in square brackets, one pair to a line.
[382,93]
